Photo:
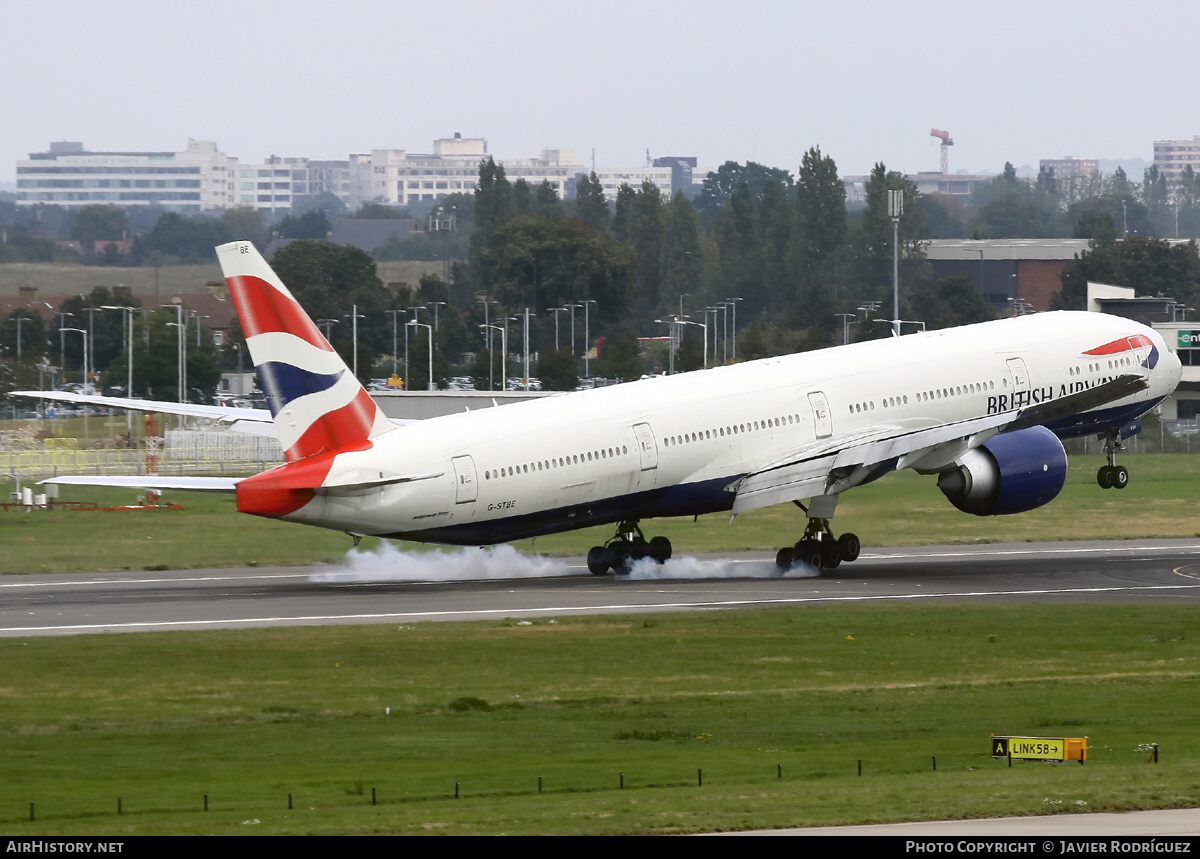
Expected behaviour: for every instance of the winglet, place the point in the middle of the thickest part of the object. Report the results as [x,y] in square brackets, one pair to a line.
[318,405]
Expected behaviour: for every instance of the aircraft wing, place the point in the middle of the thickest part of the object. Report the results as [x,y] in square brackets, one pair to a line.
[830,467]
[226,414]
[1081,401]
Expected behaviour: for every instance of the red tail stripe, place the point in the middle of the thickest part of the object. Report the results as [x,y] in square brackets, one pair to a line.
[263,309]
[341,429]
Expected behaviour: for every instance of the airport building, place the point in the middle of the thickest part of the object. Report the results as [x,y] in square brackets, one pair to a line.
[199,178]
[1182,336]
[399,178]
[1071,167]
[1172,156]
[1014,275]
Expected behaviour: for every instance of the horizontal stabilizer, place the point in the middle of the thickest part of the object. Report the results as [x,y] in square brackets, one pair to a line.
[354,487]
[151,481]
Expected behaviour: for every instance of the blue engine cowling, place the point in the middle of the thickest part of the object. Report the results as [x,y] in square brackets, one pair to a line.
[1012,473]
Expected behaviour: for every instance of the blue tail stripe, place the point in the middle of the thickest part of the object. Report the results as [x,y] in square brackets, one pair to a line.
[284,382]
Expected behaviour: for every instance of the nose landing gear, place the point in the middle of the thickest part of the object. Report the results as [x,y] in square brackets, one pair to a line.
[1112,476]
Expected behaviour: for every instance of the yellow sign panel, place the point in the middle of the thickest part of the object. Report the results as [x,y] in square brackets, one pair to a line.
[1037,748]
[1040,748]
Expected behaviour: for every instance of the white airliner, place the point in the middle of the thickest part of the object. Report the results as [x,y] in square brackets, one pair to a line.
[982,408]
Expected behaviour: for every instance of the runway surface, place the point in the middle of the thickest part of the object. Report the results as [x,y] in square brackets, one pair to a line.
[395,587]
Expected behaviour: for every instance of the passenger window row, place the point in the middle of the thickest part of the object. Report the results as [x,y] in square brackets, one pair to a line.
[560,462]
[735,429]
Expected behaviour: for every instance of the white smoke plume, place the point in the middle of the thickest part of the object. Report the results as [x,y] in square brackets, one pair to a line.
[691,568]
[387,563]
[390,564]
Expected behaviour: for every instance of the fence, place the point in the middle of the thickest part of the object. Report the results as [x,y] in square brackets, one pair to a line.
[181,452]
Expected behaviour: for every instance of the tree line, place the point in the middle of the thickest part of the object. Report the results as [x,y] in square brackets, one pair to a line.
[782,253]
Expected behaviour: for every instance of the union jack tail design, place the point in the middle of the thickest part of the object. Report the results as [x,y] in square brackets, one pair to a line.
[318,405]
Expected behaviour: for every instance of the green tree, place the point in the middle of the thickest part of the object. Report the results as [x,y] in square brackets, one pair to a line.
[874,239]
[547,203]
[328,202]
[311,225]
[32,329]
[558,370]
[681,256]
[379,212]
[330,280]
[1150,266]
[155,361]
[950,302]
[535,262]
[819,236]
[99,223]
[182,240]
[721,184]
[106,332]
[246,223]
[494,203]
[590,204]
[619,358]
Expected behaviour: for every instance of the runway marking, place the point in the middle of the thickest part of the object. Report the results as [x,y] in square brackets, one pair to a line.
[972,552]
[587,609]
[157,581]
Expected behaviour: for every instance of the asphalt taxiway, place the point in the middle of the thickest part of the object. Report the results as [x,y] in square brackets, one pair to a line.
[1149,571]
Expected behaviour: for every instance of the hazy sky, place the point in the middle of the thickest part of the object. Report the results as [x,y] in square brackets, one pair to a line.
[746,80]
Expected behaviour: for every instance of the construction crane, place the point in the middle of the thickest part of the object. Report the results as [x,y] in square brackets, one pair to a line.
[947,142]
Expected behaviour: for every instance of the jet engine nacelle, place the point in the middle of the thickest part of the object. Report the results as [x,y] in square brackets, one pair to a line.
[1011,473]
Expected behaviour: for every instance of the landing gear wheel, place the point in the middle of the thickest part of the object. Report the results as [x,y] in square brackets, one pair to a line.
[785,557]
[1120,477]
[831,554]
[660,549]
[809,552]
[597,560]
[849,547]
[1104,477]
[620,557]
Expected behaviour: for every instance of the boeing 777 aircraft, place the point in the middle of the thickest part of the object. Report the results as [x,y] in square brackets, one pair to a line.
[982,408]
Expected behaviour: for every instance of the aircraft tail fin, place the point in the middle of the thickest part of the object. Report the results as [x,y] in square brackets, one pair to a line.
[318,405]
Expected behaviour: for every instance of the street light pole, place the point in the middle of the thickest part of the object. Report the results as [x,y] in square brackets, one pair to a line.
[587,337]
[354,317]
[181,360]
[127,311]
[504,348]
[82,331]
[393,315]
[895,210]
[555,311]
[733,302]
[429,385]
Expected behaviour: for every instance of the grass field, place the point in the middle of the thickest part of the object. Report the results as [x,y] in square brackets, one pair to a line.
[1162,500]
[772,709]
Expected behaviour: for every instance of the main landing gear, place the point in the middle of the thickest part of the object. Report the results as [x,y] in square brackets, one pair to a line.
[818,548]
[626,546]
[1112,476]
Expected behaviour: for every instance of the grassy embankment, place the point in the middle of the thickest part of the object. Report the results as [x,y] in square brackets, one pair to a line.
[249,717]
[1162,500]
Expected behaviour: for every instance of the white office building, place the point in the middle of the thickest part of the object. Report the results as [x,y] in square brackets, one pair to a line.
[199,178]
[399,178]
